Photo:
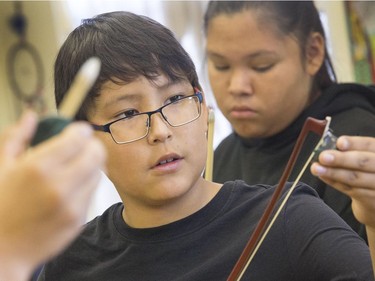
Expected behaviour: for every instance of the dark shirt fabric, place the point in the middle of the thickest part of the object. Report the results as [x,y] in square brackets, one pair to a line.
[352,108]
[307,242]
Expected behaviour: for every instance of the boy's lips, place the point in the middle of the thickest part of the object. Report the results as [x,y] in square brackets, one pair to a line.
[167,160]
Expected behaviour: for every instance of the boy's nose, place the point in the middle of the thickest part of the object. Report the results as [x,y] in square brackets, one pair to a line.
[160,130]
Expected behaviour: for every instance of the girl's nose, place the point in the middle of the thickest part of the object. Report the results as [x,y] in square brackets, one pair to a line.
[240,82]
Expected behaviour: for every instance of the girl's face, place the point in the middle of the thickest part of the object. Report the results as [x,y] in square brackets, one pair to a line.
[258,77]
[166,165]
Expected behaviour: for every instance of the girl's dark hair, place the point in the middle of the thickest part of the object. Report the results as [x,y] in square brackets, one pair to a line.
[296,18]
[128,46]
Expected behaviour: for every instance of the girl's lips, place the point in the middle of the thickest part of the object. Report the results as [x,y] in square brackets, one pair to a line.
[242,113]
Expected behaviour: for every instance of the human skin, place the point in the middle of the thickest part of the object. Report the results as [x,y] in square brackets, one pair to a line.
[45,192]
[258,76]
[154,194]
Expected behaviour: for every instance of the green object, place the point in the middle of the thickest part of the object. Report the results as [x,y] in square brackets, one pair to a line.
[48,128]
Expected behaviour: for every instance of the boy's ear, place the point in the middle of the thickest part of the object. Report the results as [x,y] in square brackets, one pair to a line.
[315,52]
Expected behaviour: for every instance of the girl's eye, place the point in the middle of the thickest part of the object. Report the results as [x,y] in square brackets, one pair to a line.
[263,68]
[175,98]
[221,67]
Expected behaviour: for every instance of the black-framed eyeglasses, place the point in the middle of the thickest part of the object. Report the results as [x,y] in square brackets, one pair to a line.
[132,128]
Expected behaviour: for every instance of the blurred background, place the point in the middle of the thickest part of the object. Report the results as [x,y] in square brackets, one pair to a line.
[31,33]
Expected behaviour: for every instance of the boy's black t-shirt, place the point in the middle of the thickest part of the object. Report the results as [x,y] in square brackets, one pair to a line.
[308,242]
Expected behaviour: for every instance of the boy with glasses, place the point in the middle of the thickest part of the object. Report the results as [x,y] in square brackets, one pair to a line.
[149,111]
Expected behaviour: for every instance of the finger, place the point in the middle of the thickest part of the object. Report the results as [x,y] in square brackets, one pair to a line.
[82,198]
[358,143]
[90,161]
[69,188]
[84,179]
[73,208]
[66,145]
[344,179]
[61,167]
[355,160]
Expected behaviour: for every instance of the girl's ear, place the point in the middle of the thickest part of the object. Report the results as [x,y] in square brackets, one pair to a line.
[315,52]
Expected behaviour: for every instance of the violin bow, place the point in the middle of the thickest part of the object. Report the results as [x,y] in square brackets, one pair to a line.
[327,141]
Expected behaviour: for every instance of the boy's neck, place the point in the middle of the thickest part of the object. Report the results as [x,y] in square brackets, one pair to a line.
[146,216]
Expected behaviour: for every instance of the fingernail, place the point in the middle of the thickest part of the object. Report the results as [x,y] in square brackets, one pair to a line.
[327,158]
[344,143]
[319,170]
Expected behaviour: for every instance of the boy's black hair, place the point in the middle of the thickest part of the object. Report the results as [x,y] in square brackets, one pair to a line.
[128,46]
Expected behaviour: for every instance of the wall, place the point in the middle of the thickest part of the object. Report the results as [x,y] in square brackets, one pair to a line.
[339,38]
[39,33]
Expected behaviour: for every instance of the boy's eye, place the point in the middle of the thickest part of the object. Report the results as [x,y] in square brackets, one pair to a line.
[175,98]
[128,113]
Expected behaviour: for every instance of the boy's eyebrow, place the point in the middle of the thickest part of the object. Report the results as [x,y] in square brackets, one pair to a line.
[137,97]
[170,83]
[124,97]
